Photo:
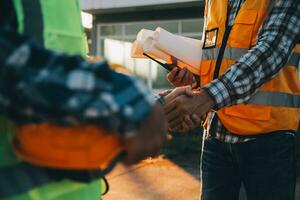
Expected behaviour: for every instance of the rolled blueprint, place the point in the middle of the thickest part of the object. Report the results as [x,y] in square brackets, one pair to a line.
[144,34]
[187,50]
[149,47]
[137,50]
[163,45]
[137,46]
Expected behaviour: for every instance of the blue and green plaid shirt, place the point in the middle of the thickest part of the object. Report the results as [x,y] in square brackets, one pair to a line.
[38,85]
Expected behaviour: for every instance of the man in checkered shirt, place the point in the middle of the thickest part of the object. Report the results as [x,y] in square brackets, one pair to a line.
[263,162]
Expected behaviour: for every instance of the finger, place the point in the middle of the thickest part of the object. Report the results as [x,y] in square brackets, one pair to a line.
[170,106]
[185,127]
[175,123]
[174,114]
[165,93]
[190,124]
[177,92]
[196,119]
[179,127]
[186,78]
[191,77]
[171,76]
[189,91]
[170,100]
[179,77]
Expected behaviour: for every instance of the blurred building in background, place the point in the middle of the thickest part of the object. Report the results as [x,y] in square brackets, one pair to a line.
[114,25]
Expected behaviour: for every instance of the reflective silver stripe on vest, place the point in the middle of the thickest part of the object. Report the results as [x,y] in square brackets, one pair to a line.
[275,99]
[210,54]
[236,53]
[230,53]
[294,60]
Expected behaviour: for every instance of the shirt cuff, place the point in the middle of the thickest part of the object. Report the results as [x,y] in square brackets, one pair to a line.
[218,90]
[137,111]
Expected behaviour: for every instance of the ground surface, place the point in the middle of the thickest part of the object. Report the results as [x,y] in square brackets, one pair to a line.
[173,176]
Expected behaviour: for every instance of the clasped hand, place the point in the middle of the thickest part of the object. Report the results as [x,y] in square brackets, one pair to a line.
[184,108]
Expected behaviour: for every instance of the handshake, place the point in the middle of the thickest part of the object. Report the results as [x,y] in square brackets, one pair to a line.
[182,111]
[185,108]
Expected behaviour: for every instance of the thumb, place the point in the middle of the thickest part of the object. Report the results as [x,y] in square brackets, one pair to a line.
[165,93]
[189,91]
[175,93]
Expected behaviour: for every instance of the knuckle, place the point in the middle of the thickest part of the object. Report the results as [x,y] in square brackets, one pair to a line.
[189,122]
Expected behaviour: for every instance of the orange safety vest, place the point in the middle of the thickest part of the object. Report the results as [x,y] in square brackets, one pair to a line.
[276,104]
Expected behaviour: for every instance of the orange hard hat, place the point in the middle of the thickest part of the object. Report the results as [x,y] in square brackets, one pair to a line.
[80,147]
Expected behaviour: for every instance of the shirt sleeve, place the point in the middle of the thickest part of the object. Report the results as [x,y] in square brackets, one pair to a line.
[278,35]
[38,85]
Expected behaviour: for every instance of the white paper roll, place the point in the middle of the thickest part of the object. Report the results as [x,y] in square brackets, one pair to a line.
[137,46]
[144,34]
[187,50]
[137,50]
[163,45]
[150,48]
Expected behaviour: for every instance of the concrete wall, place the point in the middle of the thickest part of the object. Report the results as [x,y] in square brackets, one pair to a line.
[110,4]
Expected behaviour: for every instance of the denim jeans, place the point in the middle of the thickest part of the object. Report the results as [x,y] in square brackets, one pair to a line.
[265,166]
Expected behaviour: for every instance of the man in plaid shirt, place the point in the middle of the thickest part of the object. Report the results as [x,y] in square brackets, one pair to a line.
[263,162]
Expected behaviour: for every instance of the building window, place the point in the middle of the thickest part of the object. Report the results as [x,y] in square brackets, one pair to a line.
[111,30]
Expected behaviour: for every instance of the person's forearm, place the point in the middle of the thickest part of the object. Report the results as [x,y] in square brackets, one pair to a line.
[277,37]
[38,85]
